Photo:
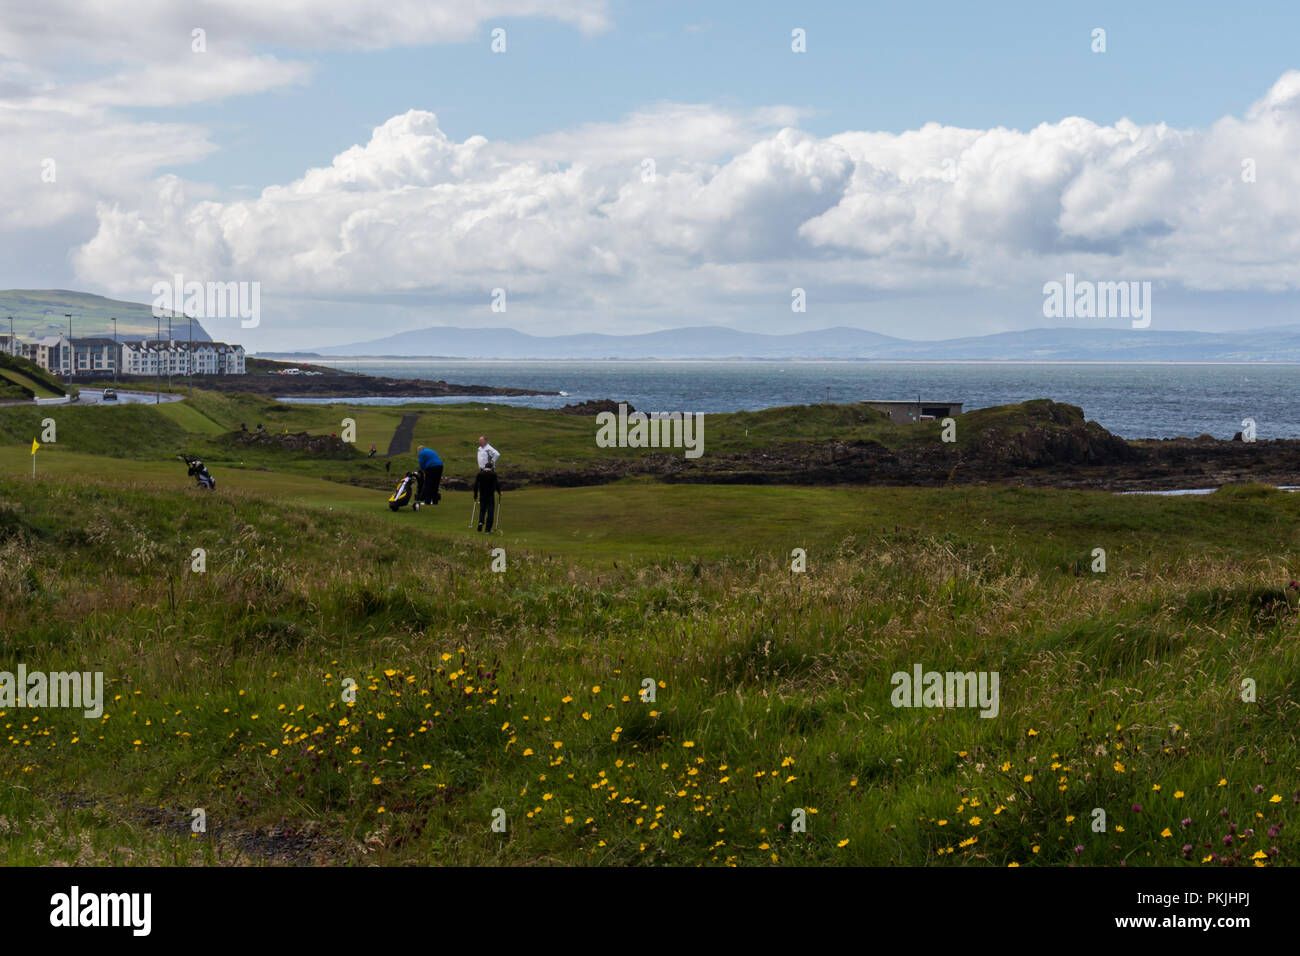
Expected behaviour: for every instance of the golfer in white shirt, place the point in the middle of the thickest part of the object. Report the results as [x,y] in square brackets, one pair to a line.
[487,455]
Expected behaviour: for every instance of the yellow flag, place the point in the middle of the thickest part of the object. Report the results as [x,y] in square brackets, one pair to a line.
[35,445]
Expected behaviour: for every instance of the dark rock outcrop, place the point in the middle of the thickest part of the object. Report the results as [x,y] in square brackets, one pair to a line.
[595,407]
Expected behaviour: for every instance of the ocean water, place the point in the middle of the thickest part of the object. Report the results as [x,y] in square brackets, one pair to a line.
[1135,401]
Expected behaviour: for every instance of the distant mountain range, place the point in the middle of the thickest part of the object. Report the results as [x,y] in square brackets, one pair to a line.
[42,311]
[1278,344]
[38,312]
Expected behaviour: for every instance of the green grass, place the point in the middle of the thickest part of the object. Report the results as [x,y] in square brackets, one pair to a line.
[225,688]
[35,389]
[29,375]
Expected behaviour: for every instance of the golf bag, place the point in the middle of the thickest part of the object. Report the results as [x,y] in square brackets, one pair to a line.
[405,493]
[199,472]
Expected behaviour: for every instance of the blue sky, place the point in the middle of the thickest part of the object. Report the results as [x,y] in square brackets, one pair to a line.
[872,66]
[164,157]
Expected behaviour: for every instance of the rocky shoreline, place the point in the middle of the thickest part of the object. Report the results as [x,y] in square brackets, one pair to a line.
[1050,446]
[340,385]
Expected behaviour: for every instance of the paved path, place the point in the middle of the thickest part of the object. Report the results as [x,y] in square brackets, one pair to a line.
[402,436]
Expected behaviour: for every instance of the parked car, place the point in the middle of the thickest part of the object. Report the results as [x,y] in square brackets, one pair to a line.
[109,395]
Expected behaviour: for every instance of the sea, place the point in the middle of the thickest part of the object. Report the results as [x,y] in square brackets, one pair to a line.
[1133,401]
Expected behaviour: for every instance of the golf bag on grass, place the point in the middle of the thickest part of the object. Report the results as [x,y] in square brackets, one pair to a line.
[405,493]
[199,472]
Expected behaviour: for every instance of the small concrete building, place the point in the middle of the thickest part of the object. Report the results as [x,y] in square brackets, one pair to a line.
[905,413]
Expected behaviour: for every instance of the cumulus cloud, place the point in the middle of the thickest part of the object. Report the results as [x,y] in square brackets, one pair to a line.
[738,206]
[70,70]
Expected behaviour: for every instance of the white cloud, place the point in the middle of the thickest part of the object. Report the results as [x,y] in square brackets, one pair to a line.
[737,208]
[68,68]
[48,31]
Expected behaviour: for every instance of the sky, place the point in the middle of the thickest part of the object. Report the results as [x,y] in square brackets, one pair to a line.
[917,170]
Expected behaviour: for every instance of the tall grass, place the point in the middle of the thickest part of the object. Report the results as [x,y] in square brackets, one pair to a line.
[478,692]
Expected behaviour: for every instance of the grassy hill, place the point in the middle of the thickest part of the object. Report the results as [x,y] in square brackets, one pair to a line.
[41,312]
[26,379]
[520,689]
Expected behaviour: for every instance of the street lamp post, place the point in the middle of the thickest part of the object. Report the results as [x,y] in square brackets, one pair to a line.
[72,355]
[117,354]
[157,372]
[169,351]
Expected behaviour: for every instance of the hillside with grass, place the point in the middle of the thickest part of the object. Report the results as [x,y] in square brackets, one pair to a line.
[38,312]
[641,674]
[34,381]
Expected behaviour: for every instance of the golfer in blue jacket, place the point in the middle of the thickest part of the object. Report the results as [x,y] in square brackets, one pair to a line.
[430,471]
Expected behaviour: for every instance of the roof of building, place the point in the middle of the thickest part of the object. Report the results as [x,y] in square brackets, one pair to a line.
[906,401]
[179,344]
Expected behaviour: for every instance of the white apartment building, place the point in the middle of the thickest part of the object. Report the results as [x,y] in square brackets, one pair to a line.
[91,356]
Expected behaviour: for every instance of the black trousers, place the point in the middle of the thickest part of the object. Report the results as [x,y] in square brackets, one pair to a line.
[487,511]
[430,478]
